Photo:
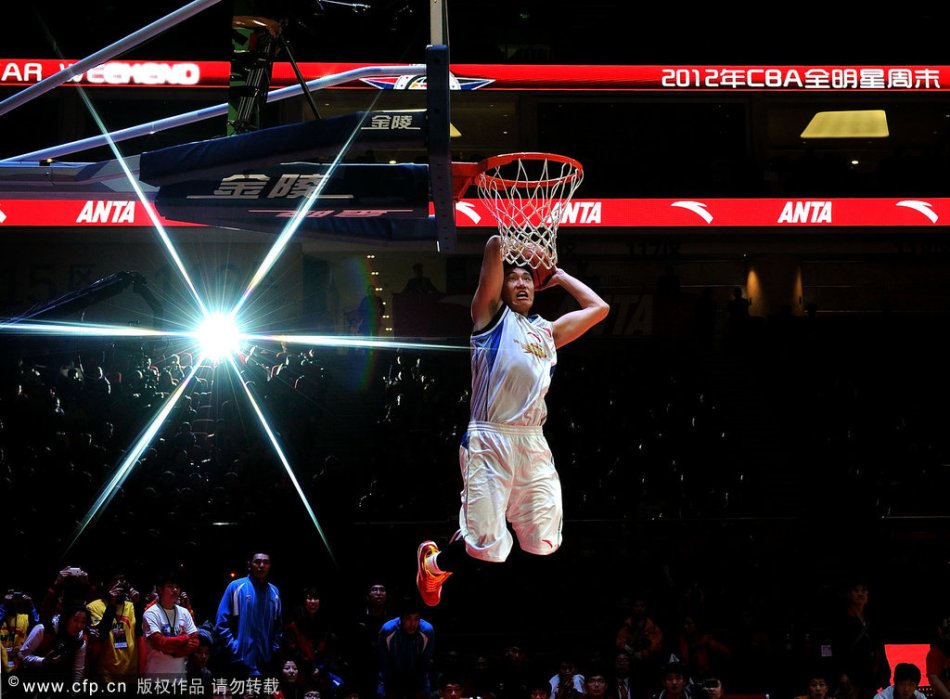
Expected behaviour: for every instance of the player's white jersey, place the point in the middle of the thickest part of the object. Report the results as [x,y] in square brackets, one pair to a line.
[512,363]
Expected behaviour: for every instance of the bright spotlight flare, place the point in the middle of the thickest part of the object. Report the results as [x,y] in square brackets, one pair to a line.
[283,459]
[60,328]
[349,341]
[218,336]
[306,204]
[146,204]
[133,181]
[125,468]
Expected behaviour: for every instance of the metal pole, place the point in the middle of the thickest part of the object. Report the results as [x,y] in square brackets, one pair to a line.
[209,112]
[436,22]
[303,83]
[109,52]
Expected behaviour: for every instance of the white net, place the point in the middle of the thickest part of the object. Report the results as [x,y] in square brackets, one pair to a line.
[528,194]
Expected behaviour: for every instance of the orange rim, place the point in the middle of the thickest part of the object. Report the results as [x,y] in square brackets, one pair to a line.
[464,174]
[506,159]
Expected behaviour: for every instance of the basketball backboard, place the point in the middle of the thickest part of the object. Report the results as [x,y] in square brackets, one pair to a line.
[255,181]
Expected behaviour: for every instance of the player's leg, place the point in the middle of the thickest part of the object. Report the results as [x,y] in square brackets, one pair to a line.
[483,533]
[535,509]
[485,459]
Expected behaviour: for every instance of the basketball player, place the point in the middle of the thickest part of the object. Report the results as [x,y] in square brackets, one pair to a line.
[507,468]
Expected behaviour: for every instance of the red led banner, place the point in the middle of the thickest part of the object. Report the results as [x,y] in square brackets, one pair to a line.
[77,212]
[736,213]
[472,76]
[583,213]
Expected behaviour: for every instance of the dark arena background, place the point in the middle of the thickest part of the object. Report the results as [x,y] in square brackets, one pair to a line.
[759,425]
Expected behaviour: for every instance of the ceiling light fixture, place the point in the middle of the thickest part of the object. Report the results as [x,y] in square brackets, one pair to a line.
[856,123]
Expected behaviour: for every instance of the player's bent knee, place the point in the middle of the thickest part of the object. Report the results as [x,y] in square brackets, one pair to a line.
[489,555]
[489,548]
[542,547]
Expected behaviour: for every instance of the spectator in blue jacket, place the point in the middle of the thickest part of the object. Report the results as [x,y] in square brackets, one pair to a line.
[249,622]
[406,647]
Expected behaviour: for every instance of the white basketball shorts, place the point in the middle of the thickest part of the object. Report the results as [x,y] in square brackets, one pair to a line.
[508,474]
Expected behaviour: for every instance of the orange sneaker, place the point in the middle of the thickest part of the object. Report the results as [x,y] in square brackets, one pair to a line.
[429,578]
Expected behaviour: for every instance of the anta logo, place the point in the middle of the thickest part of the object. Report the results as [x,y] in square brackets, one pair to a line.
[806,212]
[579,212]
[107,212]
[697,207]
[923,207]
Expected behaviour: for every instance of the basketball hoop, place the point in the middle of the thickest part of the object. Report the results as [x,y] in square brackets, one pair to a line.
[527,193]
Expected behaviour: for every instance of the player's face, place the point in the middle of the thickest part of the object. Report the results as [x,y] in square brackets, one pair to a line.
[518,290]
[260,566]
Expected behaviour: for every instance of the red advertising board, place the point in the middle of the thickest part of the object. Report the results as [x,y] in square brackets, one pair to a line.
[657,78]
[589,213]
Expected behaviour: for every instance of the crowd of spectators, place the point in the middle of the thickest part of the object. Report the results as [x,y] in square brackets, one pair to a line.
[725,505]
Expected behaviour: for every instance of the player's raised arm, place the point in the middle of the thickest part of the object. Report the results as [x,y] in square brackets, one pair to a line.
[593,309]
[487,298]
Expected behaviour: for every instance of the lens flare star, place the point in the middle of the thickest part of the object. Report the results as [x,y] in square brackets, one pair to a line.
[218,337]
[215,337]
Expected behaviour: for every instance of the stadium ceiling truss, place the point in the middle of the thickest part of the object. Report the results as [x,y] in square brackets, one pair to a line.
[227,181]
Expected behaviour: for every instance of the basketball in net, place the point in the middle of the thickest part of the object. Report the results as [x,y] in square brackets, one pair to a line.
[528,193]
